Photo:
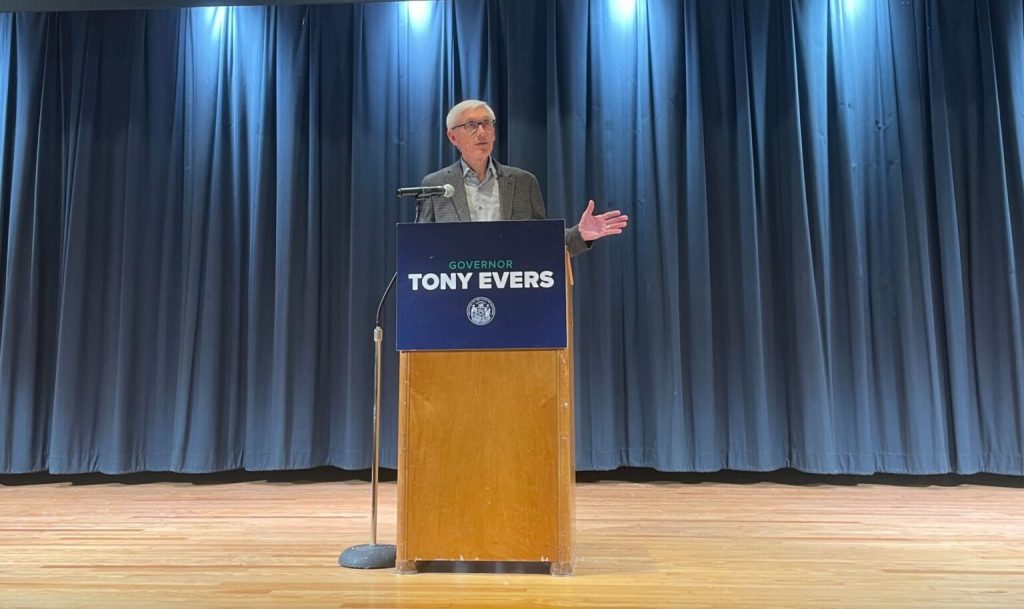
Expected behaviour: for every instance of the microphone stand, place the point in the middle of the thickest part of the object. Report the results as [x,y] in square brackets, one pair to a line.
[374,555]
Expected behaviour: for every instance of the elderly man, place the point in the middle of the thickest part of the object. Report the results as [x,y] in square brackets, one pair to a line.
[487,190]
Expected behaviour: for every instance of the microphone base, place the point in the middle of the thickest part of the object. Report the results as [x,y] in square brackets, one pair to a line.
[368,556]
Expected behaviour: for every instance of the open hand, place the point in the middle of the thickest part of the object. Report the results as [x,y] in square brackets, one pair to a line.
[593,227]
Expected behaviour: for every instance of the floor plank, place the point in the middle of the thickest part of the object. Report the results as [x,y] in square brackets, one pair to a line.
[652,544]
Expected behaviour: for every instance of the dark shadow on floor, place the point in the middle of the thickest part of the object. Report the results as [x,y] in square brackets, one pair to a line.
[304,476]
[798,478]
[483,566]
[331,474]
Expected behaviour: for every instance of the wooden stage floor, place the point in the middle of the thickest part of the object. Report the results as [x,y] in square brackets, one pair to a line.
[668,543]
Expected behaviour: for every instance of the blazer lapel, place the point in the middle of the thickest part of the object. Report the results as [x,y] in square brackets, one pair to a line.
[506,190]
[459,198]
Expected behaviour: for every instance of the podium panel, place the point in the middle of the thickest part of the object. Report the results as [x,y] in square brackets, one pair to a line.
[487,490]
[481,285]
[486,466]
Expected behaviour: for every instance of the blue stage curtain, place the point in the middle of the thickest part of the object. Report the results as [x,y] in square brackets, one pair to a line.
[821,271]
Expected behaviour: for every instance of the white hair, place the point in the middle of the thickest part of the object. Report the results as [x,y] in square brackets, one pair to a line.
[463,106]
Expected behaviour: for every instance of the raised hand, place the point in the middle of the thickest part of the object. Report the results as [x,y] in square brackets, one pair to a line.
[593,227]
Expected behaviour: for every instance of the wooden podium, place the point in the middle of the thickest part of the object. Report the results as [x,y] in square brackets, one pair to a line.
[486,466]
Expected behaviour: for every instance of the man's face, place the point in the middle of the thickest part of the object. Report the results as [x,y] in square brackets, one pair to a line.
[477,146]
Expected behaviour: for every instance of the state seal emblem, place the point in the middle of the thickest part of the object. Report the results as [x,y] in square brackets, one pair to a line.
[480,311]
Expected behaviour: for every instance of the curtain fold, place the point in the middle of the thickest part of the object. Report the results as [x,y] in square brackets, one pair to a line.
[821,269]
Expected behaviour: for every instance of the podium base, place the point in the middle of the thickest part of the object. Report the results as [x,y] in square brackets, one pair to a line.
[368,556]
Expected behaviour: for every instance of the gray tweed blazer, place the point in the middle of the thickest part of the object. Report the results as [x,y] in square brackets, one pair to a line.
[518,192]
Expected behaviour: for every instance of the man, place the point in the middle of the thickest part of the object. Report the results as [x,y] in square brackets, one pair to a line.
[486,190]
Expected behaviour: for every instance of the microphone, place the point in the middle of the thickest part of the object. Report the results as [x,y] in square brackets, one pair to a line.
[422,192]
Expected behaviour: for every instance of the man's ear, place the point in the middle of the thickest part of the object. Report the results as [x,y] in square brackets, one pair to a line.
[451,137]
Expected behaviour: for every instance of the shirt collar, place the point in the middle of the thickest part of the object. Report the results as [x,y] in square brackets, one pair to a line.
[466,169]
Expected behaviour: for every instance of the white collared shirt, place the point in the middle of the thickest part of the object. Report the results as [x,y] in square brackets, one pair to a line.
[483,197]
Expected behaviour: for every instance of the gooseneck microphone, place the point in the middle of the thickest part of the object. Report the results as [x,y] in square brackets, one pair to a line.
[421,192]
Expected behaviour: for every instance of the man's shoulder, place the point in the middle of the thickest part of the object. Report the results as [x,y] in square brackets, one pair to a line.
[441,176]
[514,172]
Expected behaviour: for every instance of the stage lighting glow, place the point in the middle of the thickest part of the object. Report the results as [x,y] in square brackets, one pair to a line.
[215,18]
[851,7]
[419,12]
[624,11]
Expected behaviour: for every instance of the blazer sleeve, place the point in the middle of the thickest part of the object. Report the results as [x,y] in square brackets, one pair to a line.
[573,240]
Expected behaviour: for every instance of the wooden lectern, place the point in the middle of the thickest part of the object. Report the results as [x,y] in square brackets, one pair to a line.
[486,466]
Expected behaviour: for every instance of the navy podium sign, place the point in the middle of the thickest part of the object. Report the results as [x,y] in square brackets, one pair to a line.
[481,285]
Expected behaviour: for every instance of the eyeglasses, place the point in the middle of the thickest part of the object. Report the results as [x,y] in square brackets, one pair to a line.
[472,126]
